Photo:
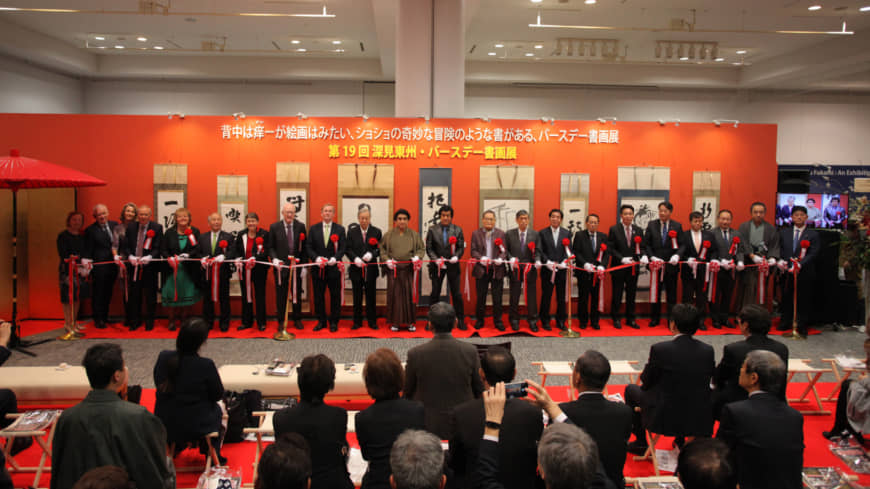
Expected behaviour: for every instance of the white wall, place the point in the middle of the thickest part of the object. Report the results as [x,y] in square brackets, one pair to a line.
[26,88]
[812,128]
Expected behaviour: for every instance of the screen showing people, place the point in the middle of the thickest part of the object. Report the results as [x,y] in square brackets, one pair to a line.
[826,211]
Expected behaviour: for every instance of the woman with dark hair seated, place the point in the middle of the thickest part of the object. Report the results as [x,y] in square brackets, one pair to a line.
[323,427]
[188,390]
[853,405]
[378,426]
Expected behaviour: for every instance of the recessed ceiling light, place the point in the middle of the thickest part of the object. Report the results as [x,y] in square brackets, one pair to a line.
[539,46]
[295,41]
[530,54]
[684,58]
[499,45]
[737,63]
[491,53]
[159,48]
[339,50]
[336,42]
[537,1]
[864,9]
[301,50]
[814,7]
[741,51]
[101,47]
[100,38]
[119,47]
[590,2]
[141,39]
[720,59]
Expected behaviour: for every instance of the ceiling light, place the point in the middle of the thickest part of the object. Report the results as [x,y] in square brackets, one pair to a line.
[684,58]
[499,45]
[119,47]
[539,46]
[537,1]
[720,59]
[741,51]
[301,50]
[101,47]
[736,63]
[159,48]
[491,53]
[814,7]
[530,54]
[295,41]
[100,38]
[590,2]
[864,9]
[336,42]
[141,39]
[338,50]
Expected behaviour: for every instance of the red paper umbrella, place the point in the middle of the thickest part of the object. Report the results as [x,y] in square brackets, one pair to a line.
[17,172]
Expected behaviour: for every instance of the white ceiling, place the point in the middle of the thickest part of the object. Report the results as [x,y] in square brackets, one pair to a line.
[211,40]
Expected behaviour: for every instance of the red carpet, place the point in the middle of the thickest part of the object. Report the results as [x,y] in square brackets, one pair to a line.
[241,455]
[118,330]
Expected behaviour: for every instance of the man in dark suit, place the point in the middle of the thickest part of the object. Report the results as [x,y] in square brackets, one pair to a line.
[764,433]
[662,248]
[140,248]
[325,246]
[523,425]
[210,246]
[285,240]
[698,248]
[488,247]
[363,250]
[704,464]
[607,422]
[442,373]
[446,255]
[799,268]
[674,395]
[522,250]
[762,240]
[588,249]
[99,247]
[754,323]
[625,250]
[730,253]
[553,248]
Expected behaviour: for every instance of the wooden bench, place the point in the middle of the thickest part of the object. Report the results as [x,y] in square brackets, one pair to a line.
[802,366]
[46,386]
[43,438]
[566,369]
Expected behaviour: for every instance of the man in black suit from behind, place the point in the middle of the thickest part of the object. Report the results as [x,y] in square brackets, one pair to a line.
[764,433]
[621,243]
[607,422]
[791,239]
[139,248]
[662,248]
[674,395]
[697,257]
[522,426]
[286,239]
[754,323]
[210,247]
[443,372]
[326,246]
[99,247]
[556,254]
[587,249]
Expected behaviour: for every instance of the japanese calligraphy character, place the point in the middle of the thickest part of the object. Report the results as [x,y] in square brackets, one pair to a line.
[226,131]
[333,151]
[614,136]
[233,215]
[593,136]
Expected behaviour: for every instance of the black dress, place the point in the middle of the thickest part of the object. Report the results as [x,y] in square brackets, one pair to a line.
[377,428]
[69,244]
[190,409]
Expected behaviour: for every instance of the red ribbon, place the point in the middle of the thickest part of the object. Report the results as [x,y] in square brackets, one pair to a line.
[600,275]
[334,239]
[189,233]
[173,263]
[416,264]
[673,235]
[249,269]
[259,242]
[341,268]
[148,237]
[71,262]
[526,269]
[734,242]
[498,242]
[655,267]
[704,247]
[293,279]
[712,278]
[637,240]
[763,270]
[601,251]
[452,241]
[805,244]
[215,279]
[471,263]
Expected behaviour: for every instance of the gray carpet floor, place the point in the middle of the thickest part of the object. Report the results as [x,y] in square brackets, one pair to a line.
[140,354]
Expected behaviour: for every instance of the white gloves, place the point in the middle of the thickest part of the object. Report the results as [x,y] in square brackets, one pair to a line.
[537,264]
[600,268]
[367,257]
[276,262]
[304,272]
[757,259]
[644,260]
[83,270]
[331,261]
[439,262]
[657,259]
[627,260]
[415,260]
[691,261]
[204,261]
[220,258]
[513,262]
[320,260]
[133,260]
[498,261]
[740,266]
[117,259]
[589,267]
[454,259]
[145,259]
[726,264]
[675,260]
[782,265]
[562,264]
[485,261]
[771,261]
[358,262]
[391,264]
[184,255]
[551,265]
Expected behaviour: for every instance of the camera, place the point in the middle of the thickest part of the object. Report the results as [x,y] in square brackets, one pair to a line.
[515,390]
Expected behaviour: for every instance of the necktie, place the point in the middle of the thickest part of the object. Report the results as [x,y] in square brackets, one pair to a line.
[213,241]
[725,233]
[325,233]
[697,239]
[108,231]
[489,244]
[363,234]
[593,241]
[523,239]
[628,235]
[797,237]
[289,229]
[664,233]
[140,241]
[444,234]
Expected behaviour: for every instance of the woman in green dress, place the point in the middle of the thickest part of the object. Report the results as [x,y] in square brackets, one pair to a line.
[180,290]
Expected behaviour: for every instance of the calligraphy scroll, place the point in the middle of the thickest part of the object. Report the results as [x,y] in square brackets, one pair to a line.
[705,195]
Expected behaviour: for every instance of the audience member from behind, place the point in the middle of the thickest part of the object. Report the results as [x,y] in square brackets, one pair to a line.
[522,427]
[188,390]
[324,427]
[104,429]
[704,464]
[379,425]
[765,435]
[285,464]
[442,373]
[754,322]
[607,422]
[417,461]
[853,405]
[674,395]
[106,477]
[8,400]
